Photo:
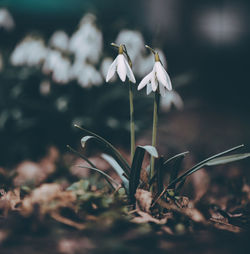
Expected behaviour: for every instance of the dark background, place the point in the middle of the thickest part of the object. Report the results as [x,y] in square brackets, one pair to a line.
[207,39]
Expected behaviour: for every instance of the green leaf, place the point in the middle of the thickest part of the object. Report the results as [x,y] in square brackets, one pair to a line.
[151,150]
[107,177]
[113,163]
[195,168]
[228,159]
[80,185]
[201,165]
[113,151]
[170,165]
[81,156]
[135,173]
[85,139]
[160,168]
[174,165]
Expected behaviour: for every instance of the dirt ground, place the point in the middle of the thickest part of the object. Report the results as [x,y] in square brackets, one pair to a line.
[45,207]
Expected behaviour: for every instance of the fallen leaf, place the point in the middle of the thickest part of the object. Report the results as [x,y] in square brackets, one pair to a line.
[143,199]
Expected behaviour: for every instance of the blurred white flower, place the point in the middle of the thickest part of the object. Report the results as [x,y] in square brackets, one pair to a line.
[86,42]
[30,51]
[157,77]
[62,104]
[44,87]
[6,20]
[58,65]
[134,42]
[1,62]
[171,98]
[144,64]
[85,74]
[121,66]
[106,62]
[59,40]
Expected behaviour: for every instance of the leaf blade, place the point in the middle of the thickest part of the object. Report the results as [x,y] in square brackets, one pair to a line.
[115,153]
[134,179]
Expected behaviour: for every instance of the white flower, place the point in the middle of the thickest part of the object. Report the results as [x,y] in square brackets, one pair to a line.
[158,77]
[6,20]
[58,65]
[172,98]
[86,43]
[134,42]
[106,62]
[120,64]
[59,40]
[30,51]
[85,74]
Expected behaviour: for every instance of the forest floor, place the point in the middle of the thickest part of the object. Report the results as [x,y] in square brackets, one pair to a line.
[53,206]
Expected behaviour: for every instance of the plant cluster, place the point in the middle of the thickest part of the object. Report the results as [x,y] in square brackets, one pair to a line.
[160,179]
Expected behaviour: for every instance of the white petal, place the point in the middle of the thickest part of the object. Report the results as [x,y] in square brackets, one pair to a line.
[177,100]
[154,82]
[145,81]
[169,84]
[121,67]
[149,88]
[111,70]
[160,74]
[129,72]
[163,90]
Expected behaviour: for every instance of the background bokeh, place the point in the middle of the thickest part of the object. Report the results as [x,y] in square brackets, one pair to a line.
[206,45]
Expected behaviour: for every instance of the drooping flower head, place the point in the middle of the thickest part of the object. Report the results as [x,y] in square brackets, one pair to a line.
[121,66]
[157,79]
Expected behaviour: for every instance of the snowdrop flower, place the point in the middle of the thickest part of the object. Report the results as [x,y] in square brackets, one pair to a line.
[86,43]
[58,65]
[144,63]
[45,87]
[6,20]
[157,79]
[106,62]
[134,42]
[85,74]
[120,64]
[30,51]
[171,98]
[59,40]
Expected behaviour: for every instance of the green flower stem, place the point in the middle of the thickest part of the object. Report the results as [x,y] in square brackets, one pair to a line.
[132,123]
[154,132]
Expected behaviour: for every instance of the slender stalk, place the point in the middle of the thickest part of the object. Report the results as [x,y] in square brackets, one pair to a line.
[132,122]
[154,132]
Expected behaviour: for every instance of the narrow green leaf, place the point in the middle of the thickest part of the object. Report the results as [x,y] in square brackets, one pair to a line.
[160,171]
[114,152]
[174,165]
[107,177]
[92,165]
[85,139]
[175,157]
[81,156]
[168,165]
[201,165]
[134,179]
[194,169]
[228,159]
[151,150]
[114,164]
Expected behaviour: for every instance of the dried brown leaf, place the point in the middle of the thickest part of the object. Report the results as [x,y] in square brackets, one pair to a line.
[49,197]
[143,200]
[145,218]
